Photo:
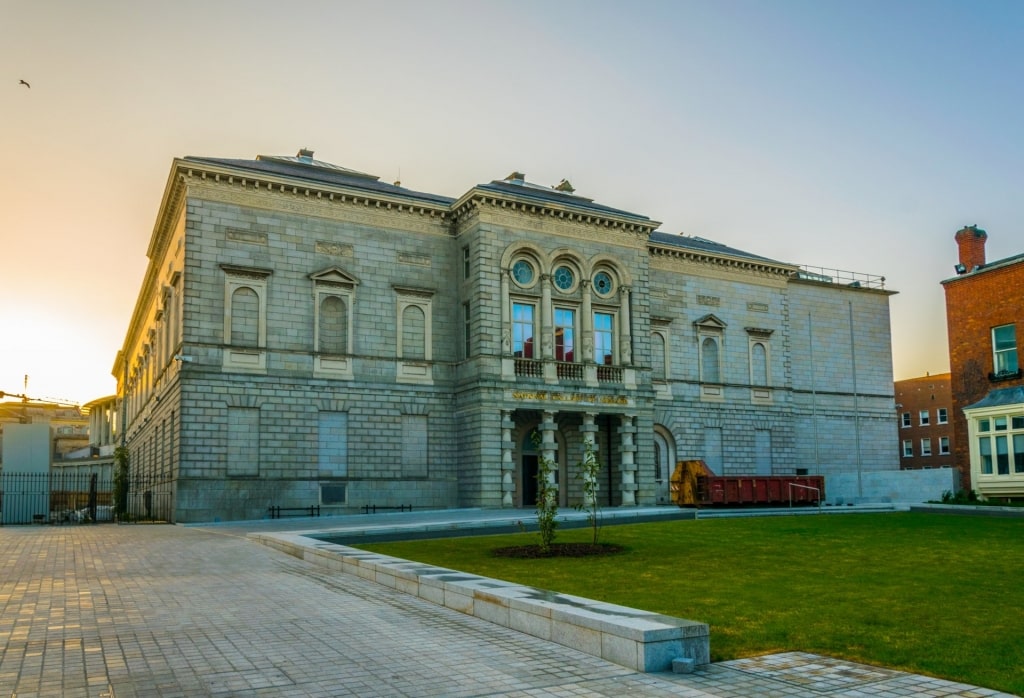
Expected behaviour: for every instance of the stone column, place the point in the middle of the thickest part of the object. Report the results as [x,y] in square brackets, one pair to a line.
[507,466]
[627,432]
[589,431]
[626,340]
[506,316]
[549,449]
[547,341]
[587,323]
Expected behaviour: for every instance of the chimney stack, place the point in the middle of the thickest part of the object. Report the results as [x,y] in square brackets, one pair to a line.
[971,241]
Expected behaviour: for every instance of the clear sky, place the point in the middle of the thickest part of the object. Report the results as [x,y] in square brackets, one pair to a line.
[850,134]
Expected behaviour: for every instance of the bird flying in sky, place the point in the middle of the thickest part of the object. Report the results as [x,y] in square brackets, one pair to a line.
[22,82]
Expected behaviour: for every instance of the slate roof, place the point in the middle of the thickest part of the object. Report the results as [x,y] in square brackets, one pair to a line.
[548,195]
[698,244]
[322,172]
[999,398]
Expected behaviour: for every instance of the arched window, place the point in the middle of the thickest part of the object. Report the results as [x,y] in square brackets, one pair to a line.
[658,356]
[413,333]
[245,317]
[709,365]
[758,364]
[333,325]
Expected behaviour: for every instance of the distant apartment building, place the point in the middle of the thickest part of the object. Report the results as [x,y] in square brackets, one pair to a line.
[985,321]
[924,409]
[69,424]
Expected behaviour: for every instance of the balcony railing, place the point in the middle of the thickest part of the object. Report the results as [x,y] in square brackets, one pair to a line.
[569,371]
[529,368]
[609,374]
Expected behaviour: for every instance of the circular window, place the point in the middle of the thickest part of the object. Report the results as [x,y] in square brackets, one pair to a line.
[603,283]
[564,278]
[522,272]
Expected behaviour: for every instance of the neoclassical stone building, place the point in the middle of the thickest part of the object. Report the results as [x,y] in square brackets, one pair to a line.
[309,335]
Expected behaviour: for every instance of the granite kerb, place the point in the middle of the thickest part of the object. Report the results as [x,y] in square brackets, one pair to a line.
[640,640]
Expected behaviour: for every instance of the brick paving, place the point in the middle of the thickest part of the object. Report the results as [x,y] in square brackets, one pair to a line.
[115,611]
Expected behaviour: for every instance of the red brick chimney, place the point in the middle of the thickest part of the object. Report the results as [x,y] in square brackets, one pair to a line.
[971,241]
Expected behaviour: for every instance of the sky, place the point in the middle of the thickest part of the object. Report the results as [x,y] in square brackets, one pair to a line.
[847,134]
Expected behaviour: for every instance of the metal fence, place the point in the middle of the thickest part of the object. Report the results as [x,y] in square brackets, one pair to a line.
[79,497]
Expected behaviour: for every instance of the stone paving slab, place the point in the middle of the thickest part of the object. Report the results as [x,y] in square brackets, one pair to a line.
[111,611]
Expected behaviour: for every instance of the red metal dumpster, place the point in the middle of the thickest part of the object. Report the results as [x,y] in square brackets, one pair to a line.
[693,484]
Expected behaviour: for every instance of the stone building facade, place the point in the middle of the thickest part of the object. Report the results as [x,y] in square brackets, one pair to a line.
[984,321]
[308,335]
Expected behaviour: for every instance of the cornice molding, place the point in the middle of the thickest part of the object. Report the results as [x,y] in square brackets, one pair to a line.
[741,264]
[475,201]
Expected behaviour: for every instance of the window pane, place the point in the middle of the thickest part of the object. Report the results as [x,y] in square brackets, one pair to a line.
[983,425]
[603,338]
[1000,423]
[522,330]
[985,450]
[1002,456]
[1018,453]
[1004,345]
[923,415]
[1018,422]
[565,323]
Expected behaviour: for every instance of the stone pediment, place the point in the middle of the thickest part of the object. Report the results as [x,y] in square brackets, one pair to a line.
[710,322]
[334,275]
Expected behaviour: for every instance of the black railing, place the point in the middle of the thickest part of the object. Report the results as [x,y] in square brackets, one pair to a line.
[59,497]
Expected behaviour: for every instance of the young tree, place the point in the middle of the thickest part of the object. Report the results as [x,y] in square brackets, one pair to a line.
[547,497]
[120,483]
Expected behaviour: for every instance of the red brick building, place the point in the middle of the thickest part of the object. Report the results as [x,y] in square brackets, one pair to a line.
[985,323]
[924,421]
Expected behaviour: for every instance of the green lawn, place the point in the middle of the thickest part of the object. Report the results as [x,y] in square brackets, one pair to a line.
[927,593]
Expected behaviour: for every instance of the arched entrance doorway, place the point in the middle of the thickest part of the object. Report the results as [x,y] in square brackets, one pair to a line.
[664,462]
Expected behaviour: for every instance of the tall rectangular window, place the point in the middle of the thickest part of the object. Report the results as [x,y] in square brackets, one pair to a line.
[926,447]
[467,331]
[1004,349]
[1002,456]
[943,445]
[1018,453]
[906,420]
[908,448]
[604,338]
[522,330]
[924,418]
[465,263]
[332,444]
[985,451]
[943,416]
[414,445]
[565,334]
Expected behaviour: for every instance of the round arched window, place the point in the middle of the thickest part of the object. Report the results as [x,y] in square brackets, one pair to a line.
[603,283]
[522,272]
[564,278]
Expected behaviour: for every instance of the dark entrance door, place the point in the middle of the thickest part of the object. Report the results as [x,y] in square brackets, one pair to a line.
[529,479]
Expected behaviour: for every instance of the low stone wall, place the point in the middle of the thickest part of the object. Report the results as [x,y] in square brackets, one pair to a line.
[639,640]
[903,486]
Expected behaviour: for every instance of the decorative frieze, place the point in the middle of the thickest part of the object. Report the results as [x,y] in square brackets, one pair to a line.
[247,236]
[417,260]
[335,249]
[757,307]
[708,300]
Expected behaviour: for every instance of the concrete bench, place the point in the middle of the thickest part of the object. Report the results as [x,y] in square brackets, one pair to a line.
[639,640]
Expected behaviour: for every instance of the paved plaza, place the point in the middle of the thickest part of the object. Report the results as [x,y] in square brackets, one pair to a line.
[113,611]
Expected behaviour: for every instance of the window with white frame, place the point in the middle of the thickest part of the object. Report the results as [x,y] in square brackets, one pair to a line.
[905,420]
[908,448]
[1004,350]
[923,418]
[1000,441]
[926,447]
[942,416]
[943,445]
